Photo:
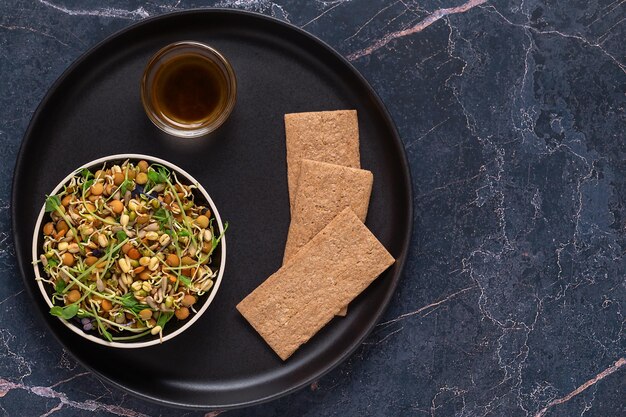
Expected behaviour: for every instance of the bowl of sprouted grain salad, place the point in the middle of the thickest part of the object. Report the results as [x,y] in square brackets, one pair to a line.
[129,251]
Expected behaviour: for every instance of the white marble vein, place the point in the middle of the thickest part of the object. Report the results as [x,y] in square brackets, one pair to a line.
[7,386]
[139,13]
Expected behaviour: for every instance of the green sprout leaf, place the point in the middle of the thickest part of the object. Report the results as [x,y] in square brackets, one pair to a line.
[163,318]
[53,202]
[126,185]
[56,311]
[86,173]
[66,312]
[129,301]
[153,176]
[60,286]
[163,174]
[160,215]
[121,236]
[70,311]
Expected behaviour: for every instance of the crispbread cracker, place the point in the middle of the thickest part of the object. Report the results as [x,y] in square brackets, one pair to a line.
[324,190]
[300,298]
[327,136]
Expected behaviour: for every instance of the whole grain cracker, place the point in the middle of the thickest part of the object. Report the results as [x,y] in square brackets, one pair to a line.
[327,136]
[324,190]
[294,303]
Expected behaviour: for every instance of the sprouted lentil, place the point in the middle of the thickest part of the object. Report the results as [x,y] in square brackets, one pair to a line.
[126,249]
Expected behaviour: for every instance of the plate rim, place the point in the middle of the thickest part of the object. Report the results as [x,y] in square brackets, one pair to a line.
[397,142]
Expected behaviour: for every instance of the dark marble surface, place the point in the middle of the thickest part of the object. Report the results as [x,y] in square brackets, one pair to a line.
[512,114]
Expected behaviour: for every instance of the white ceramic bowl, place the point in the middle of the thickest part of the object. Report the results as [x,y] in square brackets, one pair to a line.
[205,300]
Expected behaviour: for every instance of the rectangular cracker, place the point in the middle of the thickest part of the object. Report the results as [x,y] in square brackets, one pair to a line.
[300,298]
[324,190]
[326,136]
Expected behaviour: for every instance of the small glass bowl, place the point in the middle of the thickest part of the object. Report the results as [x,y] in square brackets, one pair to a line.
[162,57]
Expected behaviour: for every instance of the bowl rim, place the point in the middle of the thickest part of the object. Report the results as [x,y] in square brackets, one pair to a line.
[217,282]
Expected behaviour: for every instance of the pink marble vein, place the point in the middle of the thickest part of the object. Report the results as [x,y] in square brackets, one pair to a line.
[608,371]
[423,24]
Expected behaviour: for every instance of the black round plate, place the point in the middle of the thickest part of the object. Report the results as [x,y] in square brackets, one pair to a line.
[95,110]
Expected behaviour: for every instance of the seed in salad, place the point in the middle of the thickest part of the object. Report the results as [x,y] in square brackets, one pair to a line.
[202,221]
[133,253]
[117,206]
[68,259]
[172,260]
[118,178]
[103,241]
[145,314]
[164,239]
[182,313]
[124,219]
[97,188]
[189,300]
[73,296]
[127,247]
[106,305]
[62,226]
[141,178]
[124,265]
[48,228]
[154,264]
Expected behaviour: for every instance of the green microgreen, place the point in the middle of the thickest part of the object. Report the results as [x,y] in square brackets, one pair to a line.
[53,202]
[121,235]
[86,174]
[66,312]
[60,286]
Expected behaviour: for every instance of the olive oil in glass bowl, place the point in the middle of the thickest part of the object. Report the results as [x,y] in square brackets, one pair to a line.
[188,89]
